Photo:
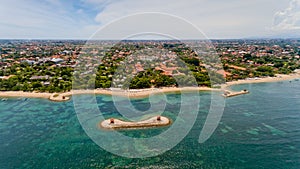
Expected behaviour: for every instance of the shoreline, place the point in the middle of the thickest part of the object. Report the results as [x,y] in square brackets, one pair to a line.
[142,93]
[277,78]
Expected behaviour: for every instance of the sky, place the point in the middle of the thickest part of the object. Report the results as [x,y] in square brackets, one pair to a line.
[81,19]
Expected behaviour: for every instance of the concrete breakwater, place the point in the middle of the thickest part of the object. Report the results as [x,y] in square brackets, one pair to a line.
[119,124]
[228,93]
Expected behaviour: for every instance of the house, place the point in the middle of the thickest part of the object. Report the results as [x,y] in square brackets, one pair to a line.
[57,60]
[30,62]
[40,77]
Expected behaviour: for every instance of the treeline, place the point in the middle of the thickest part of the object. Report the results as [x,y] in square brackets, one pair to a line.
[258,66]
[44,78]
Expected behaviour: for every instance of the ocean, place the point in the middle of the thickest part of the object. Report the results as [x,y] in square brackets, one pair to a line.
[258,130]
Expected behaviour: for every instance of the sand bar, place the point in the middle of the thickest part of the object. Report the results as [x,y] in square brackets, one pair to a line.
[119,124]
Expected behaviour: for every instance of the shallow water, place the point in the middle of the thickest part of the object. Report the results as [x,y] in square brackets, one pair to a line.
[258,130]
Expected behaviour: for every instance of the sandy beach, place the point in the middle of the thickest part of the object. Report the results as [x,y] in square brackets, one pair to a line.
[278,77]
[140,93]
[25,94]
[125,93]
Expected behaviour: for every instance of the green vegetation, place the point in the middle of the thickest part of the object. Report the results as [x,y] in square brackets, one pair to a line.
[42,78]
[258,66]
[178,66]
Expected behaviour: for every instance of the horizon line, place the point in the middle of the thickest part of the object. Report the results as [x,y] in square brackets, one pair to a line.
[82,39]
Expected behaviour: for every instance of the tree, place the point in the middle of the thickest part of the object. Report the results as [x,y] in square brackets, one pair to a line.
[247,56]
[36,85]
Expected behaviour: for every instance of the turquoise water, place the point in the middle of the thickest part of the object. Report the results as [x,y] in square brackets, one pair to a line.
[258,130]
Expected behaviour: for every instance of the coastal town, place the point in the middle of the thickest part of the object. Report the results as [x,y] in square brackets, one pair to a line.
[52,65]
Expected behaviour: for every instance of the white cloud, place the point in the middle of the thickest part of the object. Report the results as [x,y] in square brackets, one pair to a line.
[81,18]
[54,2]
[289,18]
[41,19]
[218,19]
